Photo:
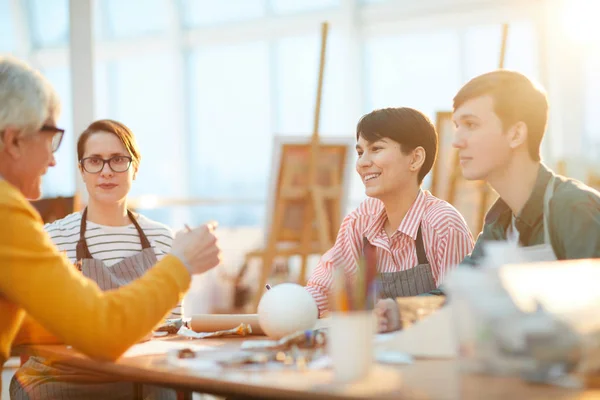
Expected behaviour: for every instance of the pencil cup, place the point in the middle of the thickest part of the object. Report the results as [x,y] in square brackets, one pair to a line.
[350,344]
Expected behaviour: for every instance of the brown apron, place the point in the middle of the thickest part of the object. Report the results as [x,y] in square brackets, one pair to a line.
[40,379]
[410,282]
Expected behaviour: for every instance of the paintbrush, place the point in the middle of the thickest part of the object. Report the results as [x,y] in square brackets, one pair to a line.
[339,294]
[360,291]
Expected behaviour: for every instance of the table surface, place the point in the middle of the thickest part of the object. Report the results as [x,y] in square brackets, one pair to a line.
[424,379]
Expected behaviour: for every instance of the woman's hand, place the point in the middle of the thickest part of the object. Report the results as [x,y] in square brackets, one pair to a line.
[197,248]
[388,315]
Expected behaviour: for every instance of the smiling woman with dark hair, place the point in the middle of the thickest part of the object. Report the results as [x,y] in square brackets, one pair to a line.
[417,236]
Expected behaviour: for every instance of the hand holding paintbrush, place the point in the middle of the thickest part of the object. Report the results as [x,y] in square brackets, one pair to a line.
[197,248]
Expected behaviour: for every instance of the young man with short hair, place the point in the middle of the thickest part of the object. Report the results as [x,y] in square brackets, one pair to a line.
[500,121]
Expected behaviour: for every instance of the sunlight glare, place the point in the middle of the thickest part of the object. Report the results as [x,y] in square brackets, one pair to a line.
[581,20]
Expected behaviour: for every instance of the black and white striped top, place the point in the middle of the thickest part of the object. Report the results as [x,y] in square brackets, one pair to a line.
[111,244]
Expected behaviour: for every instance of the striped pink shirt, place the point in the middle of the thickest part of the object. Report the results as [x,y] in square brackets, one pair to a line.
[446,238]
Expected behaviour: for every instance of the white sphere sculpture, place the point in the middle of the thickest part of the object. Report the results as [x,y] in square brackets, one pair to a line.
[285,309]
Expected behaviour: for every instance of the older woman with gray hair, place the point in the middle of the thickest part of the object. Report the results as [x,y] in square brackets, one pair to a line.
[43,297]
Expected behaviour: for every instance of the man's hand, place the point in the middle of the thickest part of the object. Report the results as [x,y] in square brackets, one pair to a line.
[197,248]
[388,315]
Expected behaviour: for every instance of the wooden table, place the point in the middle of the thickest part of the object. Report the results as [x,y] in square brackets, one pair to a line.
[425,379]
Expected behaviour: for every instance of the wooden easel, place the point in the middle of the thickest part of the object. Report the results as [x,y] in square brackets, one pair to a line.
[484,189]
[313,196]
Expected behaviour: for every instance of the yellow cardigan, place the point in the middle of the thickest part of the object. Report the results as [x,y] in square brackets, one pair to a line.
[38,281]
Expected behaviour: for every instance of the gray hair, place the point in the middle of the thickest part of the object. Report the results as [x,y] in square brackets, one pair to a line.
[27,99]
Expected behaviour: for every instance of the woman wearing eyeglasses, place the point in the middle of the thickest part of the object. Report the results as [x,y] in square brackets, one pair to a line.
[107,243]
[106,240]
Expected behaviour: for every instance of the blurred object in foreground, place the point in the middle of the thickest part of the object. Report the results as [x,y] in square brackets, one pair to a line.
[536,320]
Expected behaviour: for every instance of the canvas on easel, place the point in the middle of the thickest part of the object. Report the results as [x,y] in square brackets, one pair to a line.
[291,159]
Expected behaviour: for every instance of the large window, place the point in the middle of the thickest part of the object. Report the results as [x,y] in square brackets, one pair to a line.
[49,22]
[230,113]
[209,12]
[144,101]
[483,44]
[295,86]
[592,107]
[206,98]
[8,37]
[60,180]
[412,70]
[136,17]
[286,7]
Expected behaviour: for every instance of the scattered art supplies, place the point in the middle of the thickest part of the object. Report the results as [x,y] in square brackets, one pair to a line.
[312,338]
[218,322]
[296,351]
[210,325]
[241,330]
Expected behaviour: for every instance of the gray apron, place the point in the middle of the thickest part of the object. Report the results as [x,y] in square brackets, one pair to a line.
[121,273]
[40,379]
[411,282]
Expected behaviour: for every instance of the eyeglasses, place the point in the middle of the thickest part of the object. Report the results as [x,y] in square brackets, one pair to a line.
[57,135]
[94,165]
